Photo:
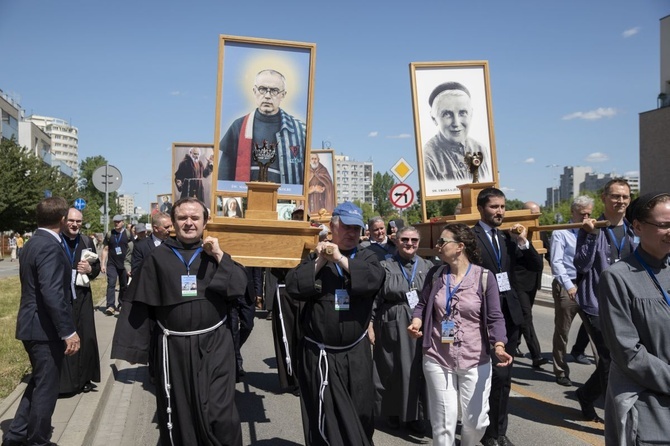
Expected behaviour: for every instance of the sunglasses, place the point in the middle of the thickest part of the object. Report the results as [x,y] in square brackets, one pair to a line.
[443,241]
[408,239]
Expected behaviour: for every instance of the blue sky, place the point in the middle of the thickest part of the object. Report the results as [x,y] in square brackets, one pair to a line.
[568,79]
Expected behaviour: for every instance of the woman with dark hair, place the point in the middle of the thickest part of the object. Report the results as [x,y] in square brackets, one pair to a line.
[635,314]
[459,311]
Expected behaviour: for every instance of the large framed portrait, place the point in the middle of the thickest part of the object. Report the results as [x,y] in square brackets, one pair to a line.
[193,167]
[164,202]
[453,123]
[263,114]
[321,187]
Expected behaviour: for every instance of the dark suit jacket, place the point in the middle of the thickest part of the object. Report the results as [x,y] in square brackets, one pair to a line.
[45,313]
[511,255]
[141,250]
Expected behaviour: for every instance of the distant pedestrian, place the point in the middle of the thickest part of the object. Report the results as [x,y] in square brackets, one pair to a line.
[12,247]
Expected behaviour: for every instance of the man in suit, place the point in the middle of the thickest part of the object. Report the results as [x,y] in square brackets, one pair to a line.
[501,252]
[44,324]
[161,225]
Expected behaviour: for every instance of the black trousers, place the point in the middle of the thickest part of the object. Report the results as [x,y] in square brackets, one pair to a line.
[596,385]
[32,422]
[112,273]
[241,322]
[527,299]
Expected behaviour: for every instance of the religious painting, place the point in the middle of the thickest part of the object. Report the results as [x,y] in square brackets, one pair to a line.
[453,124]
[229,207]
[263,114]
[193,167]
[321,192]
[154,208]
[164,203]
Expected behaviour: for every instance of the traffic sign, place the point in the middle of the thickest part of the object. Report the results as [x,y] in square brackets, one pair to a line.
[402,170]
[401,196]
[79,204]
[107,178]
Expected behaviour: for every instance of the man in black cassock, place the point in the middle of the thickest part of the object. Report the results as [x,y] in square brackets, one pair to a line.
[338,285]
[187,285]
[81,370]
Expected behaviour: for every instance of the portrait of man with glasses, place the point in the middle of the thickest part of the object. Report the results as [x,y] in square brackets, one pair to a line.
[268,125]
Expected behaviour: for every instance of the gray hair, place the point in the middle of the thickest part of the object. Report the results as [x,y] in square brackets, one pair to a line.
[581,202]
[273,72]
[374,220]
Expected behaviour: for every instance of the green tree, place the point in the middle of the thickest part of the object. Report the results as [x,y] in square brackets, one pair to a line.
[25,180]
[382,184]
[94,198]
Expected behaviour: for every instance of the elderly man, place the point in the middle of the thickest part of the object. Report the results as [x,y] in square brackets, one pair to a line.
[338,284]
[161,226]
[444,154]
[115,262]
[44,324]
[379,243]
[267,125]
[321,193]
[190,174]
[186,286]
[80,371]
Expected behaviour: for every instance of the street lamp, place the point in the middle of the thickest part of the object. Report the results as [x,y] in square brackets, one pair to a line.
[553,199]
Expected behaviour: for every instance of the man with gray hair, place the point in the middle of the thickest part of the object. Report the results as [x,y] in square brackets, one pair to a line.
[564,286]
[268,125]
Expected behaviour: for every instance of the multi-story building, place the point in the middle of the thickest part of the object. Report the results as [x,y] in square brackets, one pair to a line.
[577,180]
[655,127]
[127,204]
[353,179]
[64,139]
[11,115]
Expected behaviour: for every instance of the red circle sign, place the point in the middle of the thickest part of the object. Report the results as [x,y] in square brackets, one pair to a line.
[401,196]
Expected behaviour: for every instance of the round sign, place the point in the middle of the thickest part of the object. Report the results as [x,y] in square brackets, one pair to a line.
[401,196]
[79,204]
[107,178]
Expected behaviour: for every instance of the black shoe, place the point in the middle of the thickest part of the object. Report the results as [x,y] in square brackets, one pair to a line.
[393,422]
[417,426]
[489,441]
[268,317]
[564,381]
[504,441]
[581,358]
[240,371]
[588,411]
[539,362]
[88,387]
[519,354]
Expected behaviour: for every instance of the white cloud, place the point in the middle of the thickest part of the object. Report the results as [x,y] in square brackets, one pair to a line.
[632,173]
[400,136]
[600,112]
[597,157]
[373,134]
[530,160]
[630,32]
[507,189]
[175,93]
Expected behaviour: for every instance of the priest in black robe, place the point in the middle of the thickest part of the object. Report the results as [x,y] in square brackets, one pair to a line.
[80,371]
[338,284]
[186,286]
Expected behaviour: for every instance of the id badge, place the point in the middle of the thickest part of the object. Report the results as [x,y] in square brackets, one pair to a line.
[117,250]
[503,282]
[412,298]
[341,300]
[189,286]
[448,332]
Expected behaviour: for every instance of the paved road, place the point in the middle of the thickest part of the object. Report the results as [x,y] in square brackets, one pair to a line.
[8,268]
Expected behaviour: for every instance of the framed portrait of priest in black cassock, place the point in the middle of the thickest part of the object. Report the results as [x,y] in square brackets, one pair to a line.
[193,167]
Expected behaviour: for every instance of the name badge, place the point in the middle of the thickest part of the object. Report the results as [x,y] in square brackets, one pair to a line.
[448,332]
[118,250]
[503,282]
[189,286]
[341,300]
[412,298]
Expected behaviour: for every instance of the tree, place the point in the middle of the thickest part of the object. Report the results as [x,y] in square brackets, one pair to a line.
[382,184]
[25,180]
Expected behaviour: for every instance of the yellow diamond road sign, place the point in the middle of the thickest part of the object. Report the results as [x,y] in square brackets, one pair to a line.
[402,170]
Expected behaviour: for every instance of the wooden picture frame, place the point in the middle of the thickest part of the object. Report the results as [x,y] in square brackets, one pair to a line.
[321,182]
[288,70]
[440,91]
[165,202]
[191,178]
[230,207]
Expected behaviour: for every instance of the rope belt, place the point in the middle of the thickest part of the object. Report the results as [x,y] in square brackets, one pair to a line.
[287,359]
[166,362]
[323,375]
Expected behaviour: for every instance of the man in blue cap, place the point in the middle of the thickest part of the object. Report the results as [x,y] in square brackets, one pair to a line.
[338,284]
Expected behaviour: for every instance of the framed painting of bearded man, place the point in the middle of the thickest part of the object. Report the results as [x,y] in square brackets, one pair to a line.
[321,191]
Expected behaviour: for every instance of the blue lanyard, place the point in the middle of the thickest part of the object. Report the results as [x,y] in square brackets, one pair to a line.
[72,254]
[498,253]
[652,275]
[188,265]
[410,280]
[623,239]
[451,293]
[337,265]
[118,239]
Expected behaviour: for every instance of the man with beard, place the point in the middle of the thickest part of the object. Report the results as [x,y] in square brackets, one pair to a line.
[82,369]
[501,251]
[190,174]
[320,187]
[338,284]
[186,286]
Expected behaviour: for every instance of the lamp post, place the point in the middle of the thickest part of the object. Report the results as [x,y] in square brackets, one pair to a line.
[553,199]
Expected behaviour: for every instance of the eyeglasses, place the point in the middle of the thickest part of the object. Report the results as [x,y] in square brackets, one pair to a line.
[443,241]
[408,239]
[266,90]
[663,226]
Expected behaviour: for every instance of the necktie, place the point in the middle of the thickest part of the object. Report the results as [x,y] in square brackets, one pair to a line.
[494,239]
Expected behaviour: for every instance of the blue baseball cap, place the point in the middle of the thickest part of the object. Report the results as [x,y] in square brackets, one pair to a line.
[349,214]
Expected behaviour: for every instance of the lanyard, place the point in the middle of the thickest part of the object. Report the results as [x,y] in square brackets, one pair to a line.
[623,239]
[188,265]
[72,254]
[652,275]
[410,280]
[337,265]
[118,238]
[451,293]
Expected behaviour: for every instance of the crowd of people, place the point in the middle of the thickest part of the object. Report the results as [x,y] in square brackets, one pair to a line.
[364,328]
